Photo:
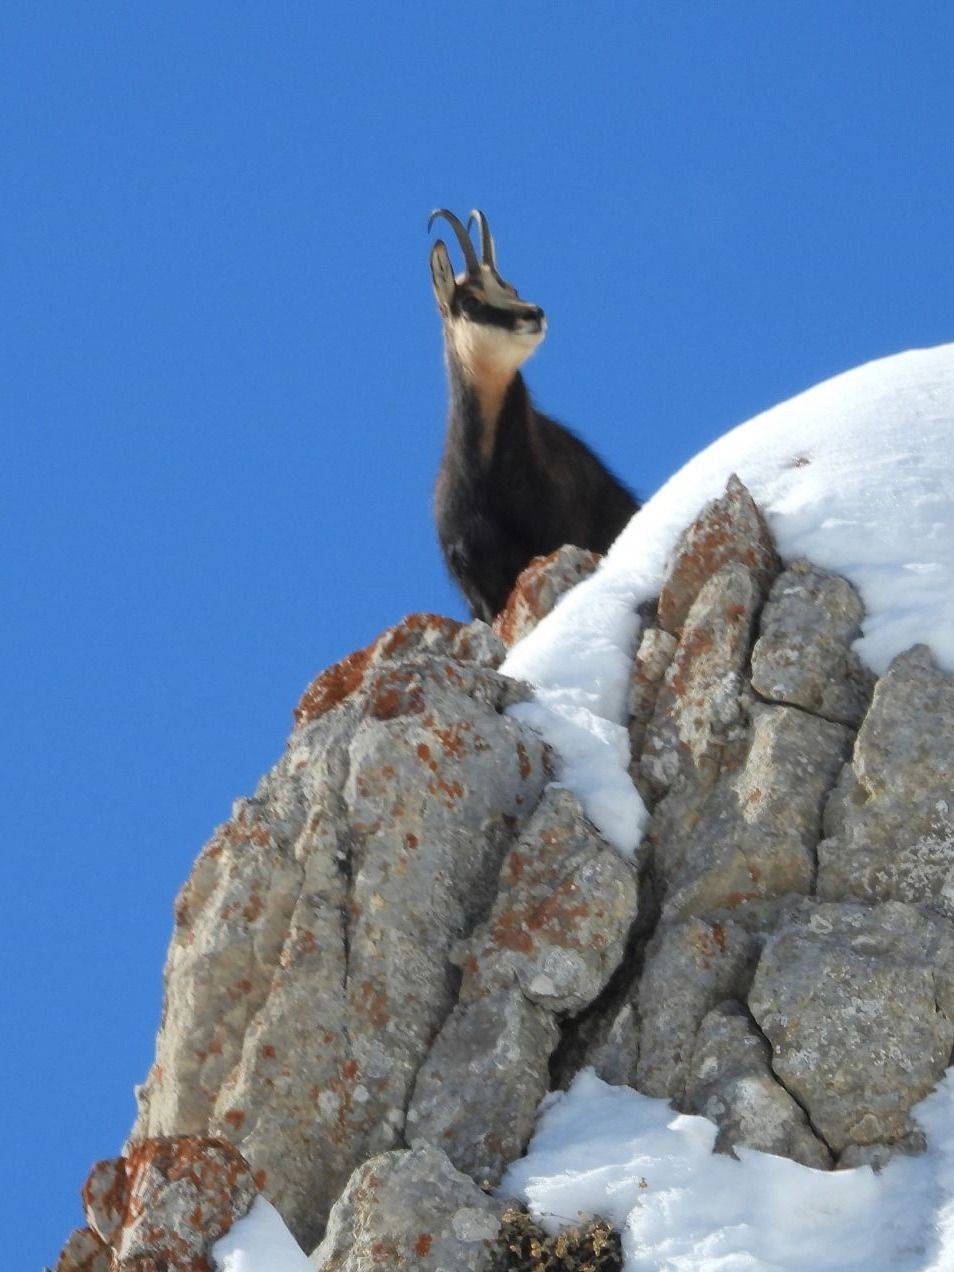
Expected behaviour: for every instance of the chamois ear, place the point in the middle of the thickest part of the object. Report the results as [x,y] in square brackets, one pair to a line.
[442,273]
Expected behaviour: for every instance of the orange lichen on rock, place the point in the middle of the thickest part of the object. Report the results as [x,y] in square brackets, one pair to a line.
[539,587]
[338,682]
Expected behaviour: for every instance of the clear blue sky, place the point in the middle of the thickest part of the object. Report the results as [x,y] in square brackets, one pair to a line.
[222,393]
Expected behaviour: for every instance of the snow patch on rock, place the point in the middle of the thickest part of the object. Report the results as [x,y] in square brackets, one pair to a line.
[650,1172]
[856,475]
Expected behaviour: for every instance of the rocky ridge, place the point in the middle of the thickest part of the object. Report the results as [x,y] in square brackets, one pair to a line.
[408,935]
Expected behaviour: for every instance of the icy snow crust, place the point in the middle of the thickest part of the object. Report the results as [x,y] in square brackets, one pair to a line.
[610,1151]
[856,474]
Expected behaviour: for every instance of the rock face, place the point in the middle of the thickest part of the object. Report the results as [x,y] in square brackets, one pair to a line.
[389,954]
[310,967]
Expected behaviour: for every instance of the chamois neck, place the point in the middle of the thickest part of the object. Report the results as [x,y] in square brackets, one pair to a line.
[481,392]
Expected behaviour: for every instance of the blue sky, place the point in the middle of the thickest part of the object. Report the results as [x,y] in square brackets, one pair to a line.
[222,392]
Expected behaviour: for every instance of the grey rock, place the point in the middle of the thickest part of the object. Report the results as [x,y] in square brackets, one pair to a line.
[477,643]
[653,657]
[731,1082]
[405,1210]
[417,636]
[613,1052]
[857,1004]
[877,1156]
[803,655]
[105,1195]
[756,836]
[538,588]
[477,1092]
[564,905]
[890,823]
[698,712]
[311,964]
[690,967]
[729,529]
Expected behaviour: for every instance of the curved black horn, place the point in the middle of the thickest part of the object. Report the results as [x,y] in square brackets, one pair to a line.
[488,251]
[463,238]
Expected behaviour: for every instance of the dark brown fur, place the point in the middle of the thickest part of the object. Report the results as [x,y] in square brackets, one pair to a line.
[514,488]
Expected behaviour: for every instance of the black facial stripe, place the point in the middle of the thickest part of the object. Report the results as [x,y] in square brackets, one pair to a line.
[482,312]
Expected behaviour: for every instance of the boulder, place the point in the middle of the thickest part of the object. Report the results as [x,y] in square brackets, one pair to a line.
[162,1206]
[311,966]
[858,1005]
[565,903]
[890,823]
[690,967]
[803,655]
[731,1082]
[410,1210]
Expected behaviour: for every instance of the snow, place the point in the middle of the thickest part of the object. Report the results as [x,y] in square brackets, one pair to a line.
[856,474]
[260,1243]
[651,1173]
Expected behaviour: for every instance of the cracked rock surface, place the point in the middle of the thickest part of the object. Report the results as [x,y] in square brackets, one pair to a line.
[410,1210]
[407,936]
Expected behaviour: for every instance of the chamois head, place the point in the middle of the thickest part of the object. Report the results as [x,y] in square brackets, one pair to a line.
[486,323]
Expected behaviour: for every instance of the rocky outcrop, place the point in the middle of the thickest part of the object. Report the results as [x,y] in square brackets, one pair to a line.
[389,955]
[162,1206]
[310,967]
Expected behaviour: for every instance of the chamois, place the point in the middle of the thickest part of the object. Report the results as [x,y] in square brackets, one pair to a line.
[513,483]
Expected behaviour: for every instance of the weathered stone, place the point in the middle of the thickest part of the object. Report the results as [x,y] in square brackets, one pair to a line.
[415,635]
[614,1051]
[803,655]
[477,1092]
[690,967]
[728,529]
[757,833]
[105,1196]
[564,906]
[698,711]
[857,1004]
[231,921]
[539,587]
[405,1210]
[653,657]
[84,1252]
[161,1207]
[311,964]
[731,1082]
[877,1156]
[890,823]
